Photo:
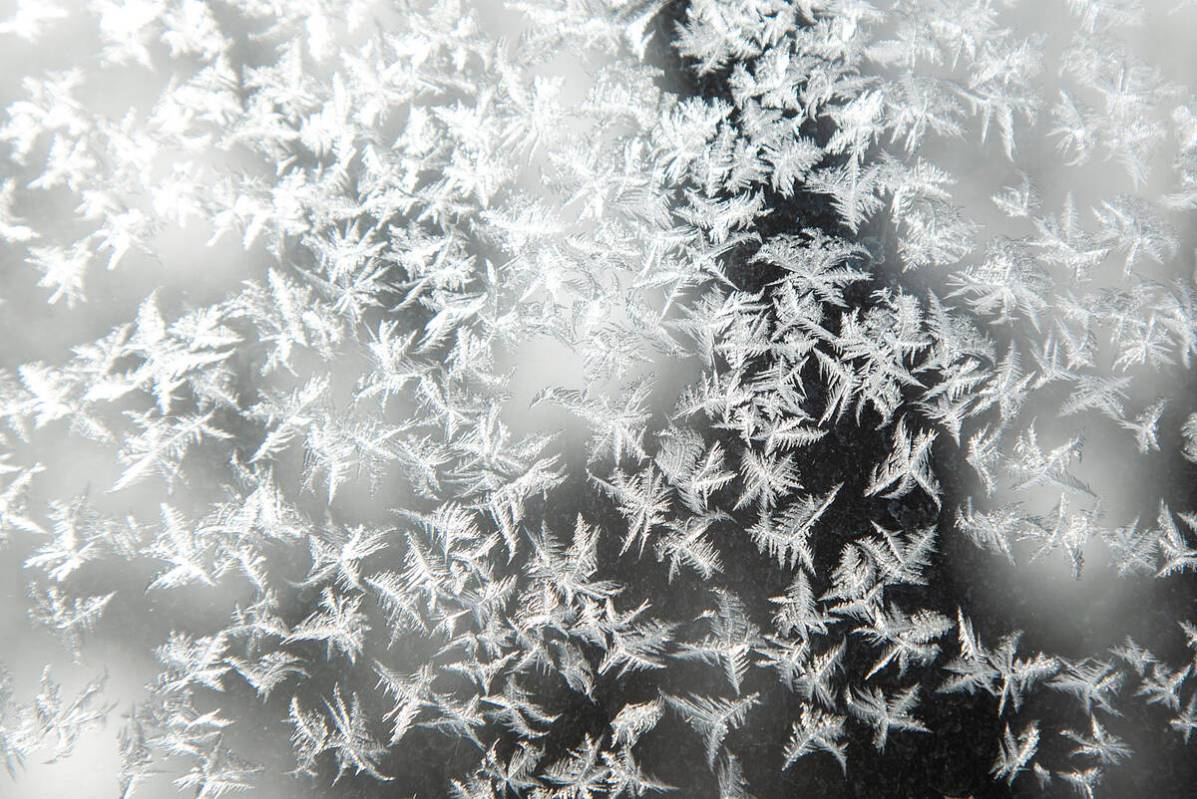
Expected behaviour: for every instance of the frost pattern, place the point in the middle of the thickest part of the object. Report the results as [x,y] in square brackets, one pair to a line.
[326,445]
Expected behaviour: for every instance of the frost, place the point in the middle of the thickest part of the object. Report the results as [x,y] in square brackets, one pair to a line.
[444,372]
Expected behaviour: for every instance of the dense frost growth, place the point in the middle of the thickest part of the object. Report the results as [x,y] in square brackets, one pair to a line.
[598,398]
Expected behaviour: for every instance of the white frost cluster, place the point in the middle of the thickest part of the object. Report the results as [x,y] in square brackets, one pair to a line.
[276,307]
